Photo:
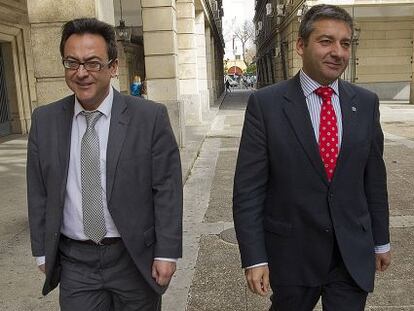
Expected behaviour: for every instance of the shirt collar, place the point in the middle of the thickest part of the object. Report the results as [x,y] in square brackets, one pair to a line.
[105,107]
[309,85]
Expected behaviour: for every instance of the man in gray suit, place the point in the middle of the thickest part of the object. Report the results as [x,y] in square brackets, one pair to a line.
[104,184]
[310,193]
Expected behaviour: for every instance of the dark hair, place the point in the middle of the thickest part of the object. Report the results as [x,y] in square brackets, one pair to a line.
[91,26]
[322,11]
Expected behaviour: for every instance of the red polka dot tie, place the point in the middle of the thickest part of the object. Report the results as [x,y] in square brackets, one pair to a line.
[328,131]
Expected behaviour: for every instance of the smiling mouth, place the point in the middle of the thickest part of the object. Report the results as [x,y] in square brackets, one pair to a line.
[84,85]
[334,65]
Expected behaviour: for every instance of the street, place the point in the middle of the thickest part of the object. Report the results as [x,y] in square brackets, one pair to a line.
[211,263]
[209,276]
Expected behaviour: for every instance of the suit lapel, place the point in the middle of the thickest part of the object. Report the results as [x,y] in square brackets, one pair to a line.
[297,112]
[117,133]
[64,130]
[349,110]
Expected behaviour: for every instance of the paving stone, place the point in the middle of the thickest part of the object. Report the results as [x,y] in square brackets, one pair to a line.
[219,284]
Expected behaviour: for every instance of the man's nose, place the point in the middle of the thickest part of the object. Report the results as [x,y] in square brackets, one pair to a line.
[338,50]
[81,71]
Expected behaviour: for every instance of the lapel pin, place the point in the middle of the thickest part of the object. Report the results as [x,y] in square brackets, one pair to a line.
[354,109]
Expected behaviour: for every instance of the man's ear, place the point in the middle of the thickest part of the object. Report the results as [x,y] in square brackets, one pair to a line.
[300,45]
[114,68]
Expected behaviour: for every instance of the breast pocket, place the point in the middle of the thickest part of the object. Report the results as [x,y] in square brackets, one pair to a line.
[135,170]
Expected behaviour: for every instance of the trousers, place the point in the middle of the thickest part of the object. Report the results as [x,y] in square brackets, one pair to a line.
[102,278]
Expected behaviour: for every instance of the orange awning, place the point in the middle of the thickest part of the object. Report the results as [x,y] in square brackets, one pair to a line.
[234,70]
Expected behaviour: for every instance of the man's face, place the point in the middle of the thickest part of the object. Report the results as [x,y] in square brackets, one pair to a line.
[326,54]
[90,87]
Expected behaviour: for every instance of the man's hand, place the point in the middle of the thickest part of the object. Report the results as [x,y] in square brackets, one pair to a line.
[382,261]
[42,268]
[162,271]
[258,279]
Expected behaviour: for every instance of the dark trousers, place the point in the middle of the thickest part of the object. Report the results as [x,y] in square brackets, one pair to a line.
[102,278]
[339,292]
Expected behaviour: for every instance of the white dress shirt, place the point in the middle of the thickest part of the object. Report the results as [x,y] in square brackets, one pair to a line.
[72,225]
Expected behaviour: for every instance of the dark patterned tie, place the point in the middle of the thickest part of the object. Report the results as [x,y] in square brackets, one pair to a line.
[92,205]
[328,131]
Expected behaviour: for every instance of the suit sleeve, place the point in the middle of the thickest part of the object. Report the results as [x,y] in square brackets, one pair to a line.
[167,189]
[376,184]
[250,186]
[36,192]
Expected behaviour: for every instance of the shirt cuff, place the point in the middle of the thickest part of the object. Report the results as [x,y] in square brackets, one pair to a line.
[166,259]
[40,260]
[257,265]
[381,249]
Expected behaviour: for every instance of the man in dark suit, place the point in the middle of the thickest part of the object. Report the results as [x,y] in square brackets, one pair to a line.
[310,197]
[104,184]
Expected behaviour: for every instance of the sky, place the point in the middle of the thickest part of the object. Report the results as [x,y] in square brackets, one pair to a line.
[235,13]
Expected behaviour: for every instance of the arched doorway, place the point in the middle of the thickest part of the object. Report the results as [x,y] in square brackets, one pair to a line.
[235,70]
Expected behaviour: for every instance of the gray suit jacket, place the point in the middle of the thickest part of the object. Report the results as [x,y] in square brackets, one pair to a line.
[143,186]
[286,212]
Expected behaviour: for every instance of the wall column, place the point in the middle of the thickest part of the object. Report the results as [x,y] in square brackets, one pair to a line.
[202,63]
[161,60]
[210,64]
[187,46]
[214,66]
[412,77]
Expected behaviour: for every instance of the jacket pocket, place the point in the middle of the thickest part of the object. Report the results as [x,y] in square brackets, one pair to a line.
[149,236]
[365,222]
[277,227]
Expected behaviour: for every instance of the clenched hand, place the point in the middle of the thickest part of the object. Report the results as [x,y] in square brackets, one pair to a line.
[258,279]
[382,261]
[162,271]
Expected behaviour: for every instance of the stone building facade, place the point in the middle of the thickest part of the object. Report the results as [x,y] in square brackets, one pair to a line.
[176,46]
[383,51]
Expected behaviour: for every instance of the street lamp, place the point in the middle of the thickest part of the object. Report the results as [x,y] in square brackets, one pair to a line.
[354,59]
[123,33]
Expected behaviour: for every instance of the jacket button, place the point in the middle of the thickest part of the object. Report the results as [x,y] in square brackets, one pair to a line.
[327,230]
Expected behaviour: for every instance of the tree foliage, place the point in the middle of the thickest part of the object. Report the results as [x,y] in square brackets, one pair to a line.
[244,33]
[251,69]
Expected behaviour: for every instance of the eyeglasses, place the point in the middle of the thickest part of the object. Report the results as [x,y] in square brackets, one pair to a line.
[89,66]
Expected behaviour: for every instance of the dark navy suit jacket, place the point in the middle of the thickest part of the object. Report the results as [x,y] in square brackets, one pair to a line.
[286,212]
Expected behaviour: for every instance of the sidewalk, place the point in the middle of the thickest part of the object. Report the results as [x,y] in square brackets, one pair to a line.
[21,282]
[209,276]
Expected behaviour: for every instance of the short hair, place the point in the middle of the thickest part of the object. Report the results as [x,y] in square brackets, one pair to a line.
[319,12]
[90,26]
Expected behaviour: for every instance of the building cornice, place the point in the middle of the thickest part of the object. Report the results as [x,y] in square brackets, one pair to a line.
[217,31]
[285,21]
[259,9]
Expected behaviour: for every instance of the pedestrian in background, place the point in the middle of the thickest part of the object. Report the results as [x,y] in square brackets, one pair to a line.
[227,86]
[136,86]
[104,185]
[310,195]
